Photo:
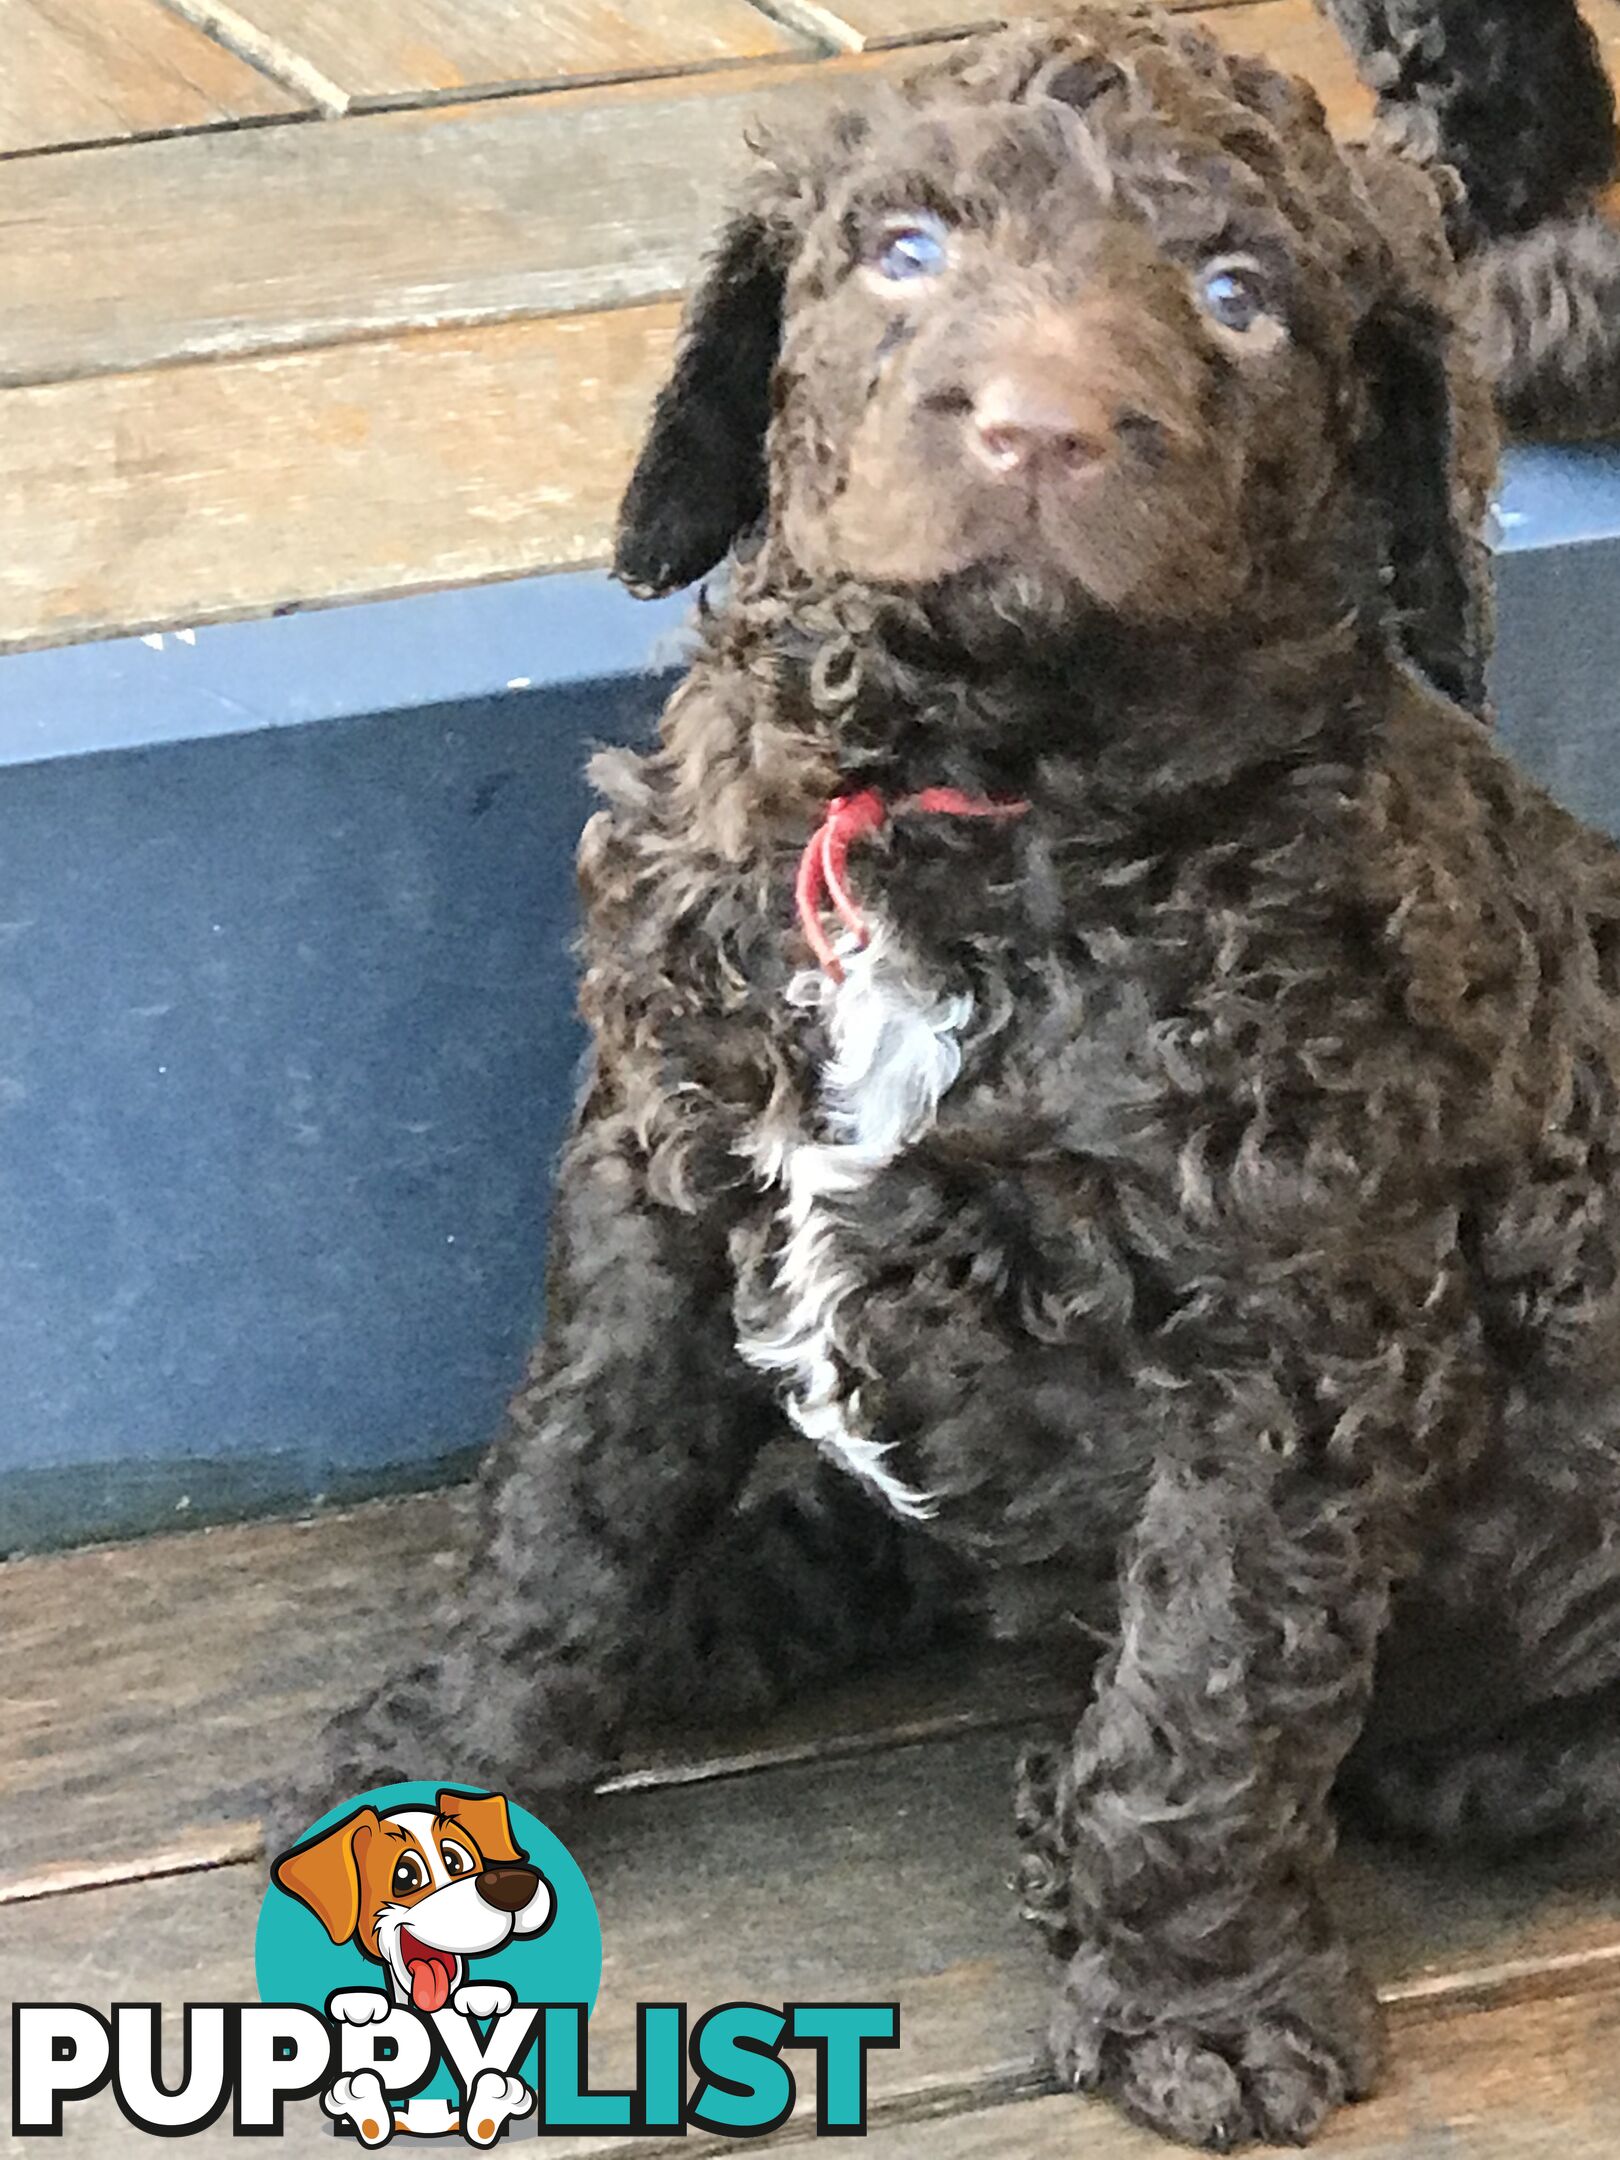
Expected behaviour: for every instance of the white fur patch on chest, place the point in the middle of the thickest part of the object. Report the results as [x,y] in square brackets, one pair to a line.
[894,1049]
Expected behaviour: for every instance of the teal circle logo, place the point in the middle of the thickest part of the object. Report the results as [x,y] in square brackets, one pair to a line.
[420,1892]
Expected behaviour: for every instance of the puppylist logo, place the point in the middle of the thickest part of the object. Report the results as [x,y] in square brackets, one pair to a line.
[428,1959]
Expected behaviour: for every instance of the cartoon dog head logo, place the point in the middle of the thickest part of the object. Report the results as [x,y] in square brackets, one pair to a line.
[421,1891]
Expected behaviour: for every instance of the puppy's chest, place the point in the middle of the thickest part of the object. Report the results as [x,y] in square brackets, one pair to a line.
[958,1113]
[1012,1047]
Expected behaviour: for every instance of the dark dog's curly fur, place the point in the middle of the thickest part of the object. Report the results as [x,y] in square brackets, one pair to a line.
[1192,1223]
[1511,93]
[1545,310]
[1514,96]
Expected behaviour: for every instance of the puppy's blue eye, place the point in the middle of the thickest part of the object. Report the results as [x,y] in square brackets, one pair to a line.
[914,248]
[1233,295]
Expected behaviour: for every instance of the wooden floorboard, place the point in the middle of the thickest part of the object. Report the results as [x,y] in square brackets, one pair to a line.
[886,1879]
[878,1880]
[1604,16]
[146,1688]
[228,1635]
[868,25]
[136,502]
[1527,2081]
[78,71]
[385,222]
[243,1637]
[400,49]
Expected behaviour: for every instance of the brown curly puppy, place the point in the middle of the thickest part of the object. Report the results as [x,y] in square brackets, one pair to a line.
[1166,1169]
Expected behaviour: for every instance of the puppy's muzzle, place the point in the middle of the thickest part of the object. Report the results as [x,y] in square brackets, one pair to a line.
[1068,398]
[1022,423]
[508,1889]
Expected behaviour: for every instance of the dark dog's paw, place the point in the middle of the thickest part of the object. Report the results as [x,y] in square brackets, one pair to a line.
[1498,1797]
[1274,2067]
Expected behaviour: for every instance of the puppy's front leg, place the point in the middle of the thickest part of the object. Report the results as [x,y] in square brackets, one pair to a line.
[1175,1850]
[621,1451]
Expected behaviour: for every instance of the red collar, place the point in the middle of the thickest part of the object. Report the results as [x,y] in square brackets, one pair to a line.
[850,818]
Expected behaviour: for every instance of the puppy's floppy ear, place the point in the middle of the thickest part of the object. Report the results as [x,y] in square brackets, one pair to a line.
[700,481]
[488,1822]
[1433,563]
[325,1873]
[1429,441]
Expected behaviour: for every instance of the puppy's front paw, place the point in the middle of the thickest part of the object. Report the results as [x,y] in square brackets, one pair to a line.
[1271,2062]
[361,2102]
[483,1999]
[358,2006]
[495,2100]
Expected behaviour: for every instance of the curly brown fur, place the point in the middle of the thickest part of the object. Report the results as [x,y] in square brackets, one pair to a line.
[1194,1214]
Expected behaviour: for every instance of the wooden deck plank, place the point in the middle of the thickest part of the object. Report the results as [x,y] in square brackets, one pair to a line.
[883,1880]
[526,206]
[79,71]
[231,1634]
[191,494]
[340,475]
[874,1880]
[141,1686]
[533,205]
[1604,16]
[238,1639]
[380,50]
[1521,2082]
[240,1636]
[871,25]
[1288,31]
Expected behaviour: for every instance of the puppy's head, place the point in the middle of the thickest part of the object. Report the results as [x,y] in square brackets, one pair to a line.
[421,1890]
[1093,320]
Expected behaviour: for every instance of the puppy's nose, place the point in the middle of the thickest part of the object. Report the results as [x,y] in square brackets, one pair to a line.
[508,1889]
[1023,420]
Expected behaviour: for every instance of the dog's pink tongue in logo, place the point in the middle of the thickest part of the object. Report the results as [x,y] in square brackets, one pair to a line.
[431,1973]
